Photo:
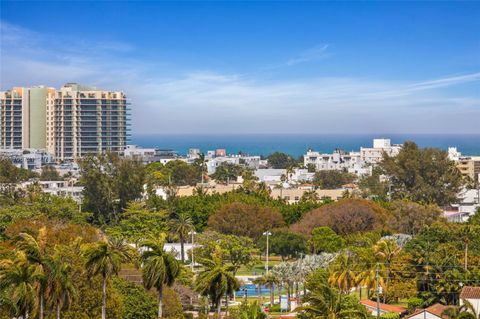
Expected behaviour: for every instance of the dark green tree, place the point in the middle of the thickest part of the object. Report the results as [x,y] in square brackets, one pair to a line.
[422,175]
[281,160]
[110,182]
[324,239]
[332,179]
[285,244]
[226,172]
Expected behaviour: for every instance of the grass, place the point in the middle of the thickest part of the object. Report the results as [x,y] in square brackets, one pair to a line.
[259,267]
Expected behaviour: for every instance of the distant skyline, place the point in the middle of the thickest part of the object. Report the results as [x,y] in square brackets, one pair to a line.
[258,67]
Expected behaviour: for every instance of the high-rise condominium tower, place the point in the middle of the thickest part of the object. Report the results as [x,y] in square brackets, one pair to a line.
[69,123]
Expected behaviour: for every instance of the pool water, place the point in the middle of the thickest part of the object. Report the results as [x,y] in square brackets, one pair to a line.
[252,291]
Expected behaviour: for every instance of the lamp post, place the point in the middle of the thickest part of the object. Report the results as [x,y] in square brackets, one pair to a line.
[267,233]
[192,262]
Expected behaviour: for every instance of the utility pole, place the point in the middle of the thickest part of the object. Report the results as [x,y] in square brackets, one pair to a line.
[377,279]
[267,233]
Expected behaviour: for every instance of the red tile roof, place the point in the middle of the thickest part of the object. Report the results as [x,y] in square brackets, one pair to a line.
[383,307]
[469,292]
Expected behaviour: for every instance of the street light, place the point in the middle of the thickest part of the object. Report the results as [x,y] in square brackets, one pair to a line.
[192,261]
[267,233]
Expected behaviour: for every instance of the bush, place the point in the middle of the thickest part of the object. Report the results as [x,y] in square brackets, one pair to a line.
[390,315]
[344,217]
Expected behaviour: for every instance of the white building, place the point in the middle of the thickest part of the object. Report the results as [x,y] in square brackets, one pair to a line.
[467,206]
[472,295]
[373,155]
[433,312]
[32,159]
[59,188]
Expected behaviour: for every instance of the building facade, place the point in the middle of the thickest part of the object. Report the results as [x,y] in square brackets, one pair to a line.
[23,118]
[69,122]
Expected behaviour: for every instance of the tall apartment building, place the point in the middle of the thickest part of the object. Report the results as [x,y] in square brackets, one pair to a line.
[23,118]
[69,122]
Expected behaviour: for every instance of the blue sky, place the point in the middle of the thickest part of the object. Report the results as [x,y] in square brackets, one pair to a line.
[258,67]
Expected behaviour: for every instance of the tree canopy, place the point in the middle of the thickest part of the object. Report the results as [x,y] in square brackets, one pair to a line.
[245,220]
[424,175]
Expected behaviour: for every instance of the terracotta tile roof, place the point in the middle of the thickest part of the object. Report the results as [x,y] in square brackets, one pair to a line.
[436,309]
[469,292]
[383,307]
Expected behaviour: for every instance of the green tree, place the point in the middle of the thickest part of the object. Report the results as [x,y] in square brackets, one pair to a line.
[324,239]
[105,258]
[343,272]
[174,173]
[136,302]
[36,253]
[10,176]
[60,287]
[332,179]
[422,175]
[328,303]
[159,268]
[20,279]
[237,250]
[138,223]
[285,244]
[372,186]
[226,172]
[387,251]
[216,279]
[251,311]
[181,225]
[49,173]
[281,160]
[110,183]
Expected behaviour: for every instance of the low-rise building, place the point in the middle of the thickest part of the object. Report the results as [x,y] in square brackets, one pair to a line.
[375,308]
[472,295]
[433,312]
[469,202]
[32,159]
[373,155]
[59,188]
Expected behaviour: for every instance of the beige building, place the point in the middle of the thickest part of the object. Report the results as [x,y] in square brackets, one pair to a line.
[469,166]
[69,122]
[23,118]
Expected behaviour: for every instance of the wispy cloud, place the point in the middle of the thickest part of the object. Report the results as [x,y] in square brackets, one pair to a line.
[318,52]
[217,102]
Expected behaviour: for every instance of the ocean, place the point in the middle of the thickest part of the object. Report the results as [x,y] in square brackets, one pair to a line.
[297,144]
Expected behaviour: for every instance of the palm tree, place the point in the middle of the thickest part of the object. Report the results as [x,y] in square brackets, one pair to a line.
[35,252]
[290,171]
[20,279]
[467,232]
[367,278]
[216,279]
[181,225]
[343,276]
[159,268]
[284,272]
[259,282]
[251,311]
[465,311]
[326,303]
[270,280]
[60,287]
[386,250]
[105,258]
